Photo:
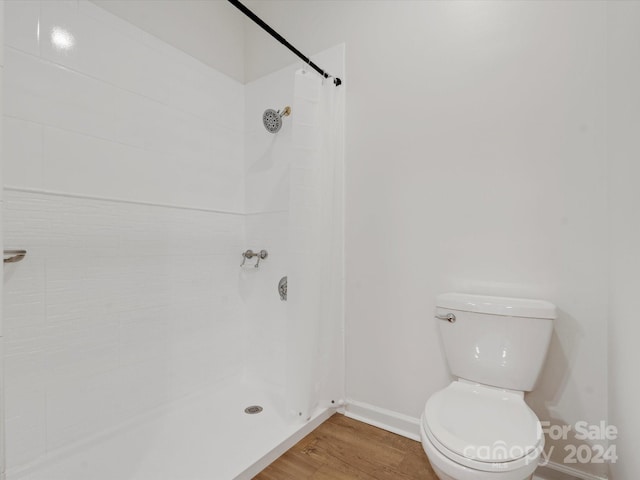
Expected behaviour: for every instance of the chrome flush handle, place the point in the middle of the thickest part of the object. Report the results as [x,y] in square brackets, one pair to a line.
[449,317]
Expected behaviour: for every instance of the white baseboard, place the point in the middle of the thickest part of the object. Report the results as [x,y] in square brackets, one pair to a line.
[410,427]
[558,471]
[386,419]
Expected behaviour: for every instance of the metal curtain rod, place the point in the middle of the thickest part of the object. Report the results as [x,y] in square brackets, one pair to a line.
[282,40]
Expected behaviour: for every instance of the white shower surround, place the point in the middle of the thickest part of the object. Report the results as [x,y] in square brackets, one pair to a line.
[125,181]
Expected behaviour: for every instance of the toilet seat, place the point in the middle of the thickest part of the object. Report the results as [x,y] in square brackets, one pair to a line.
[483,428]
[447,469]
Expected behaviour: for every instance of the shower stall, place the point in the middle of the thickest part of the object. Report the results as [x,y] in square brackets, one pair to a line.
[145,331]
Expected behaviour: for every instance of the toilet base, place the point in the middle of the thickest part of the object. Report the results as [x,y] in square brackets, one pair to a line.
[443,476]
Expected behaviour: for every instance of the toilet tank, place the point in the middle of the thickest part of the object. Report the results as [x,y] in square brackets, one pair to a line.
[495,341]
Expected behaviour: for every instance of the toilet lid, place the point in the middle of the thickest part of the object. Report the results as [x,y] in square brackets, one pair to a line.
[483,423]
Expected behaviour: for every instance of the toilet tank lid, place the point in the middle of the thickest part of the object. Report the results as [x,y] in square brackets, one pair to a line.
[511,307]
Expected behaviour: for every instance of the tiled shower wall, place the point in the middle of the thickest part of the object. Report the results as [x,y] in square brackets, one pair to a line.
[267,159]
[124,180]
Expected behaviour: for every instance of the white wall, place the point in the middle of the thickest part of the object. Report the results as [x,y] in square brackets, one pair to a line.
[623,142]
[267,159]
[124,180]
[211,31]
[474,163]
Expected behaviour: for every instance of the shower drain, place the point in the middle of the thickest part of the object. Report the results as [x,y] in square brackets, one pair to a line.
[253,409]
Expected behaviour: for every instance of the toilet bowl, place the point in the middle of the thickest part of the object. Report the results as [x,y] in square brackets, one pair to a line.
[479,427]
[470,431]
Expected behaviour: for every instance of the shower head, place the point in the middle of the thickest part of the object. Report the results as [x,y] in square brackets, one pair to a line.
[272,119]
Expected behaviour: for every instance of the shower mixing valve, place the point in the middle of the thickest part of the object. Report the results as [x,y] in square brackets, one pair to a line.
[282,288]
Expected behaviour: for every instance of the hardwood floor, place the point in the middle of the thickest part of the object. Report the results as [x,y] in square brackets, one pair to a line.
[345,449]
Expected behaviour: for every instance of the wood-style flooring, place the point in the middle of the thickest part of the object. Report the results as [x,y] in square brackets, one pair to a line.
[345,449]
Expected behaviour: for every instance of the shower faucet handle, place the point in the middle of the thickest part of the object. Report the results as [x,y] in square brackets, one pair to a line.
[248,254]
[262,254]
[449,317]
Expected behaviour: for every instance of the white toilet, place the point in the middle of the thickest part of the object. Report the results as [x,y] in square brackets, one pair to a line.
[479,427]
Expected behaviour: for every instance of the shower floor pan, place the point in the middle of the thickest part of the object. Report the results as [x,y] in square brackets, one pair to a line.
[205,437]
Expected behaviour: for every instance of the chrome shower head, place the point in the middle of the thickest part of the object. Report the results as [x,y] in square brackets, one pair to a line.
[272,119]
